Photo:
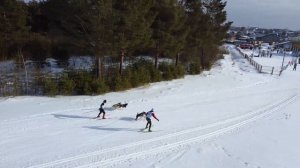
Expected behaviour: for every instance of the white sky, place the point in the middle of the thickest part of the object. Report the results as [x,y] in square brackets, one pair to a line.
[264,13]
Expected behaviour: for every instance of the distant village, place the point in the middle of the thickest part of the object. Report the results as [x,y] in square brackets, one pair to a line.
[266,40]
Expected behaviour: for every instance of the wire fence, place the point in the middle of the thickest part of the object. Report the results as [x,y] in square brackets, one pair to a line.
[14,80]
[261,68]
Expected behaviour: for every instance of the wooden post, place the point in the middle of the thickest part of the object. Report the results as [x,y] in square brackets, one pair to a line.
[99,68]
[177,59]
[272,70]
[121,61]
[156,60]
[26,75]
[280,72]
[202,58]
[260,69]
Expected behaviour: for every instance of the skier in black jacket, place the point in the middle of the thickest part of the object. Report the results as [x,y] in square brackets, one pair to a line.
[102,110]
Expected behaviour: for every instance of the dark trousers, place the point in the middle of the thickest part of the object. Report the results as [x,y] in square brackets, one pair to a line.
[148,123]
[101,111]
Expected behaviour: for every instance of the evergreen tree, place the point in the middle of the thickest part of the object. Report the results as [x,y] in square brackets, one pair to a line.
[179,31]
[206,20]
[37,20]
[218,29]
[61,17]
[13,28]
[86,22]
[215,9]
[163,27]
[131,26]
[198,25]
[95,27]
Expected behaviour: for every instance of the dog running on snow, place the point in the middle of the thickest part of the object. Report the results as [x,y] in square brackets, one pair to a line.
[120,105]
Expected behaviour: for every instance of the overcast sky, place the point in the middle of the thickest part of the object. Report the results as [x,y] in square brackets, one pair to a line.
[264,13]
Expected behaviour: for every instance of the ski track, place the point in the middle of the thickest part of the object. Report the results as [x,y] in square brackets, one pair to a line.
[7,123]
[113,156]
[162,162]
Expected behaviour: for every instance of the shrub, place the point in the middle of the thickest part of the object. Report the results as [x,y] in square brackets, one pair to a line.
[166,71]
[194,68]
[155,75]
[144,75]
[87,89]
[67,85]
[134,79]
[83,80]
[99,86]
[51,87]
[126,82]
[179,71]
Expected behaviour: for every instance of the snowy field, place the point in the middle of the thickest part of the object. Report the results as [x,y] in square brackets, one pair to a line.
[229,117]
[275,61]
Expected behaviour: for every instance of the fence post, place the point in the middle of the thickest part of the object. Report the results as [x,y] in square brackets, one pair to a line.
[280,72]
[261,68]
[272,70]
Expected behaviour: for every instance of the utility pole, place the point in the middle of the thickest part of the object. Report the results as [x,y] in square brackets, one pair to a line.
[298,56]
[283,58]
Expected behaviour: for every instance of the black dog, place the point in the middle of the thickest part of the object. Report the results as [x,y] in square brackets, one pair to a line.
[140,115]
[120,105]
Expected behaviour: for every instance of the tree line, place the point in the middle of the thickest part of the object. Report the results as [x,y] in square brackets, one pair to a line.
[186,30]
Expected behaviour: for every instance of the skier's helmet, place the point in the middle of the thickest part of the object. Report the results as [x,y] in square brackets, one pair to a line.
[104,101]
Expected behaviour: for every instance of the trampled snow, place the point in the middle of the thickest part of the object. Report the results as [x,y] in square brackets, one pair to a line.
[229,117]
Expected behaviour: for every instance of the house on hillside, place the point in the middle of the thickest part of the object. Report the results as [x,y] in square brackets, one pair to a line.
[295,38]
[269,38]
[296,50]
[287,45]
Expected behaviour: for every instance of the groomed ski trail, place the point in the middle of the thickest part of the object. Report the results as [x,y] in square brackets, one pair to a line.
[115,155]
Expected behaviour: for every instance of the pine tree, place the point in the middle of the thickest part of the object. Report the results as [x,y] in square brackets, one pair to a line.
[86,22]
[13,28]
[216,10]
[198,25]
[218,29]
[179,31]
[131,26]
[95,25]
[163,27]
[37,20]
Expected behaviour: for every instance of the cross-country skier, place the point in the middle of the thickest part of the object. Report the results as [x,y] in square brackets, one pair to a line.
[295,66]
[102,110]
[149,114]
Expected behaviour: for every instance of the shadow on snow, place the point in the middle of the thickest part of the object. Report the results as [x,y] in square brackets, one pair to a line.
[64,116]
[111,129]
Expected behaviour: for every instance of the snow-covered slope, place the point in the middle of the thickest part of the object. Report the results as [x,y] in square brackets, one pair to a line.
[228,117]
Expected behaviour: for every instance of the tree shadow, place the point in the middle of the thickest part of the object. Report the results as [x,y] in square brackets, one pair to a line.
[64,116]
[111,129]
[127,119]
